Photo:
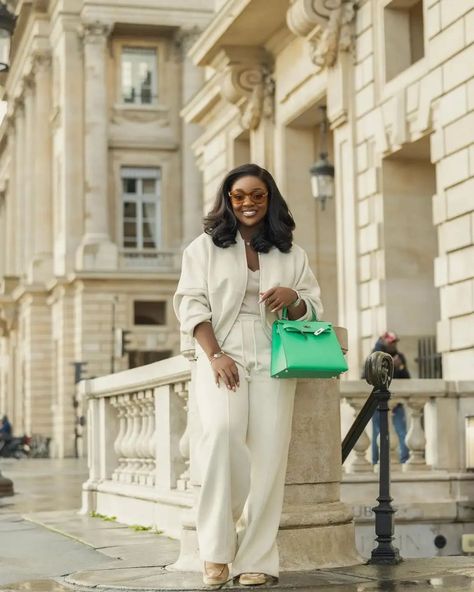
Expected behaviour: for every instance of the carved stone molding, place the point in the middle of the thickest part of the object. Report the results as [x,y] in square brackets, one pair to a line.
[327,25]
[251,87]
[95,31]
[185,39]
[41,61]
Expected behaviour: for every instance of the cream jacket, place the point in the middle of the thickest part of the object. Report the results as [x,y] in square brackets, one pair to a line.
[213,283]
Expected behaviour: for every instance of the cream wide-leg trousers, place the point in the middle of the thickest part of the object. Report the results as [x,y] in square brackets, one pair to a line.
[242,454]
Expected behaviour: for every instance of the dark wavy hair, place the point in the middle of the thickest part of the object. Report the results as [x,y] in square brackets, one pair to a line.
[277,229]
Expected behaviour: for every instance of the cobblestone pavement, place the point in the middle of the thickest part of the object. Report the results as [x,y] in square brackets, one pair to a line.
[47,546]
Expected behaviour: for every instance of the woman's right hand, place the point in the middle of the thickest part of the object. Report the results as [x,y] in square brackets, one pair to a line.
[225,369]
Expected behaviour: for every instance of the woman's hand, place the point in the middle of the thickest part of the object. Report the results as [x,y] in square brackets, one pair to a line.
[277,298]
[226,369]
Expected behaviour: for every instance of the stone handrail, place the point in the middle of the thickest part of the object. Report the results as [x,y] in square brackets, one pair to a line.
[434,422]
[165,260]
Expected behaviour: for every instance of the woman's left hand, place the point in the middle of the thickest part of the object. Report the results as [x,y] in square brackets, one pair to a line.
[277,298]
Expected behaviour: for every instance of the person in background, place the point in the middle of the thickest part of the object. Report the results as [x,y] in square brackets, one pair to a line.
[5,429]
[388,343]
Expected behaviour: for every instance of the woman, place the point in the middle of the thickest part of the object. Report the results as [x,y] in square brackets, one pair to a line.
[236,278]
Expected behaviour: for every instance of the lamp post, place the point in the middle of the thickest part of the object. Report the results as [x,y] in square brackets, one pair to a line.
[7,26]
[322,171]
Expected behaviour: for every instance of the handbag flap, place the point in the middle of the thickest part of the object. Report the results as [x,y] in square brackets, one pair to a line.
[315,327]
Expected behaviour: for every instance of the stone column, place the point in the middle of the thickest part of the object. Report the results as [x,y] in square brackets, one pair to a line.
[29,197]
[41,265]
[96,250]
[10,233]
[191,80]
[316,528]
[19,229]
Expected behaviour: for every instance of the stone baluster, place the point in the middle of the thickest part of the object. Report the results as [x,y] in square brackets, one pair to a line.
[415,439]
[143,442]
[395,464]
[359,463]
[140,447]
[116,403]
[182,390]
[125,451]
[149,453]
[134,461]
[151,479]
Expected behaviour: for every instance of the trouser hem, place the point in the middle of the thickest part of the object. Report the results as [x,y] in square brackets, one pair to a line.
[217,558]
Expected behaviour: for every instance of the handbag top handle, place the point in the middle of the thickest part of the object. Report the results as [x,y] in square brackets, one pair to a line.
[284,314]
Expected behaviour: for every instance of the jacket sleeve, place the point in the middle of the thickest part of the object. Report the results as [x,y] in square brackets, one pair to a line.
[309,290]
[191,300]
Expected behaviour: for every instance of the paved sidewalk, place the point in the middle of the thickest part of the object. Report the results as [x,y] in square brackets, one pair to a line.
[46,546]
[138,562]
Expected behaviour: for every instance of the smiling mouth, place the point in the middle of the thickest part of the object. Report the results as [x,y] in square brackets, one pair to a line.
[249,213]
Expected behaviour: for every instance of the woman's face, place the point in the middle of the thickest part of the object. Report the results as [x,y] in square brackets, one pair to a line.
[249,200]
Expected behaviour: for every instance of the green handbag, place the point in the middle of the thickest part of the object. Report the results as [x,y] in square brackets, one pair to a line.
[305,349]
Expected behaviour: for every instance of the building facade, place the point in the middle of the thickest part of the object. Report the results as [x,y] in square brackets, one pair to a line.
[394,248]
[94,164]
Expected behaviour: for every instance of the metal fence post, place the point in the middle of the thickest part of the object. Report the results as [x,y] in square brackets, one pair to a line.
[379,373]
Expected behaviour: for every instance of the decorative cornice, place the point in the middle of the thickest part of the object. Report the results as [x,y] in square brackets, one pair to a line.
[327,25]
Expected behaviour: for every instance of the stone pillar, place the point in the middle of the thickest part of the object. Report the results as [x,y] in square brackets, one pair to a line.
[10,202]
[18,244]
[192,79]
[29,197]
[3,226]
[96,250]
[41,264]
[316,528]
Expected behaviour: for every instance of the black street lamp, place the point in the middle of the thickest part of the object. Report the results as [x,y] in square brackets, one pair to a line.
[322,171]
[7,26]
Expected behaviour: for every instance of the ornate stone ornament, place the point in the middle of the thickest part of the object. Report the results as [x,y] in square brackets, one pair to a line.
[252,89]
[327,25]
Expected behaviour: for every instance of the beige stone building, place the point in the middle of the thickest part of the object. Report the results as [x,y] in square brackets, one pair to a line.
[94,164]
[394,248]
[111,104]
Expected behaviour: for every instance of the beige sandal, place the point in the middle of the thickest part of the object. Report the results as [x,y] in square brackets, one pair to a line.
[252,579]
[216,575]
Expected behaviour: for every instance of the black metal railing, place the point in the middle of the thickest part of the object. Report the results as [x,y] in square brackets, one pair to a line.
[378,373]
[428,360]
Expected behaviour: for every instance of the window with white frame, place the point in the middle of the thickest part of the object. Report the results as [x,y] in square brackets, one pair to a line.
[139,75]
[141,208]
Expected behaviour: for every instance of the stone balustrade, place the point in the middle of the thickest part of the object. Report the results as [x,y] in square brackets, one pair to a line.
[142,430]
[434,413]
[432,491]
[137,425]
[146,258]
